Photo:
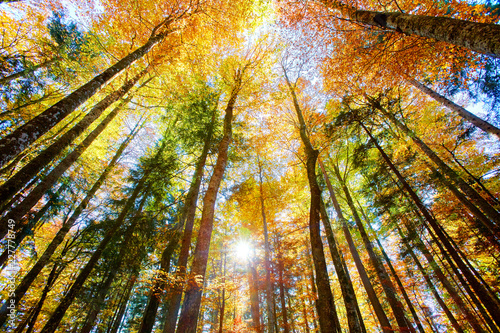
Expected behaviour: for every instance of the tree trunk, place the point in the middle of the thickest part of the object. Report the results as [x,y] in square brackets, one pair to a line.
[15,183]
[325,301]
[191,307]
[55,319]
[222,310]
[385,281]
[431,286]
[253,281]
[156,294]
[5,80]
[22,137]
[37,193]
[479,37]
[175,296]
[354,321]
[463,308]
[59,237]
[113,268]
[478,219]
[462,112]
[123,304]
[394,274]
[31,225]
[379,310]
[281,268]
[271,319]
[53,275]
[489,301]
[487,209]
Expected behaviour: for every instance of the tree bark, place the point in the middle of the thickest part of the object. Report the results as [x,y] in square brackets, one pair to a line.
[22,137]
[61,234]
[385,281]
[463,308]
[174,299]
[253,281]
[55,319]
[5,80]
[156,294]
[281,268]
[394,273]
[190,309]
[479,37]
[325,301]
[123,304]
[30,170]
[114,267]
[271,319]
[355,322]
[379,310]
[431,286]
[37,193]
[487,209]
[490,301]
[462,112]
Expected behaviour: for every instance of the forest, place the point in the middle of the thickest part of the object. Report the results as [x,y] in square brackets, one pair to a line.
[266,166]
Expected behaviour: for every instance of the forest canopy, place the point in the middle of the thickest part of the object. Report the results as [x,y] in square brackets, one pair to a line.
[249,166]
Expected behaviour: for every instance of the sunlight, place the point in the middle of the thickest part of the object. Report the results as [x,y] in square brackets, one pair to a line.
[243,250]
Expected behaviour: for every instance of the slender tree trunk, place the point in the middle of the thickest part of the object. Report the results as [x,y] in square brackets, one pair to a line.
[431,286]
[156,294]
[462,112]
[222,309]
[192,300]
[463,308]
[487,209]
[114,268]
[401,288]
[292,317]
[284,314]
[495,202]
[53,275]
[174,299]
[22,137]
[123,304]
[37,193]
[479,220]
[490,301]
[394,274]
[379,310]
[55,319]
[32,224]
[271,318]
[15,183]
[5,80]
[325,300]
[61,234]
[354,321]
[304,311]
[479,37]
[253,281]
[385,281]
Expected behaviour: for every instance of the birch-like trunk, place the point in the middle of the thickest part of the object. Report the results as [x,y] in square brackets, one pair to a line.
[461,111]
[479,37]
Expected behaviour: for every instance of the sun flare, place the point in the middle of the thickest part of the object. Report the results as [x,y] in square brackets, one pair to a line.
[243,250]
